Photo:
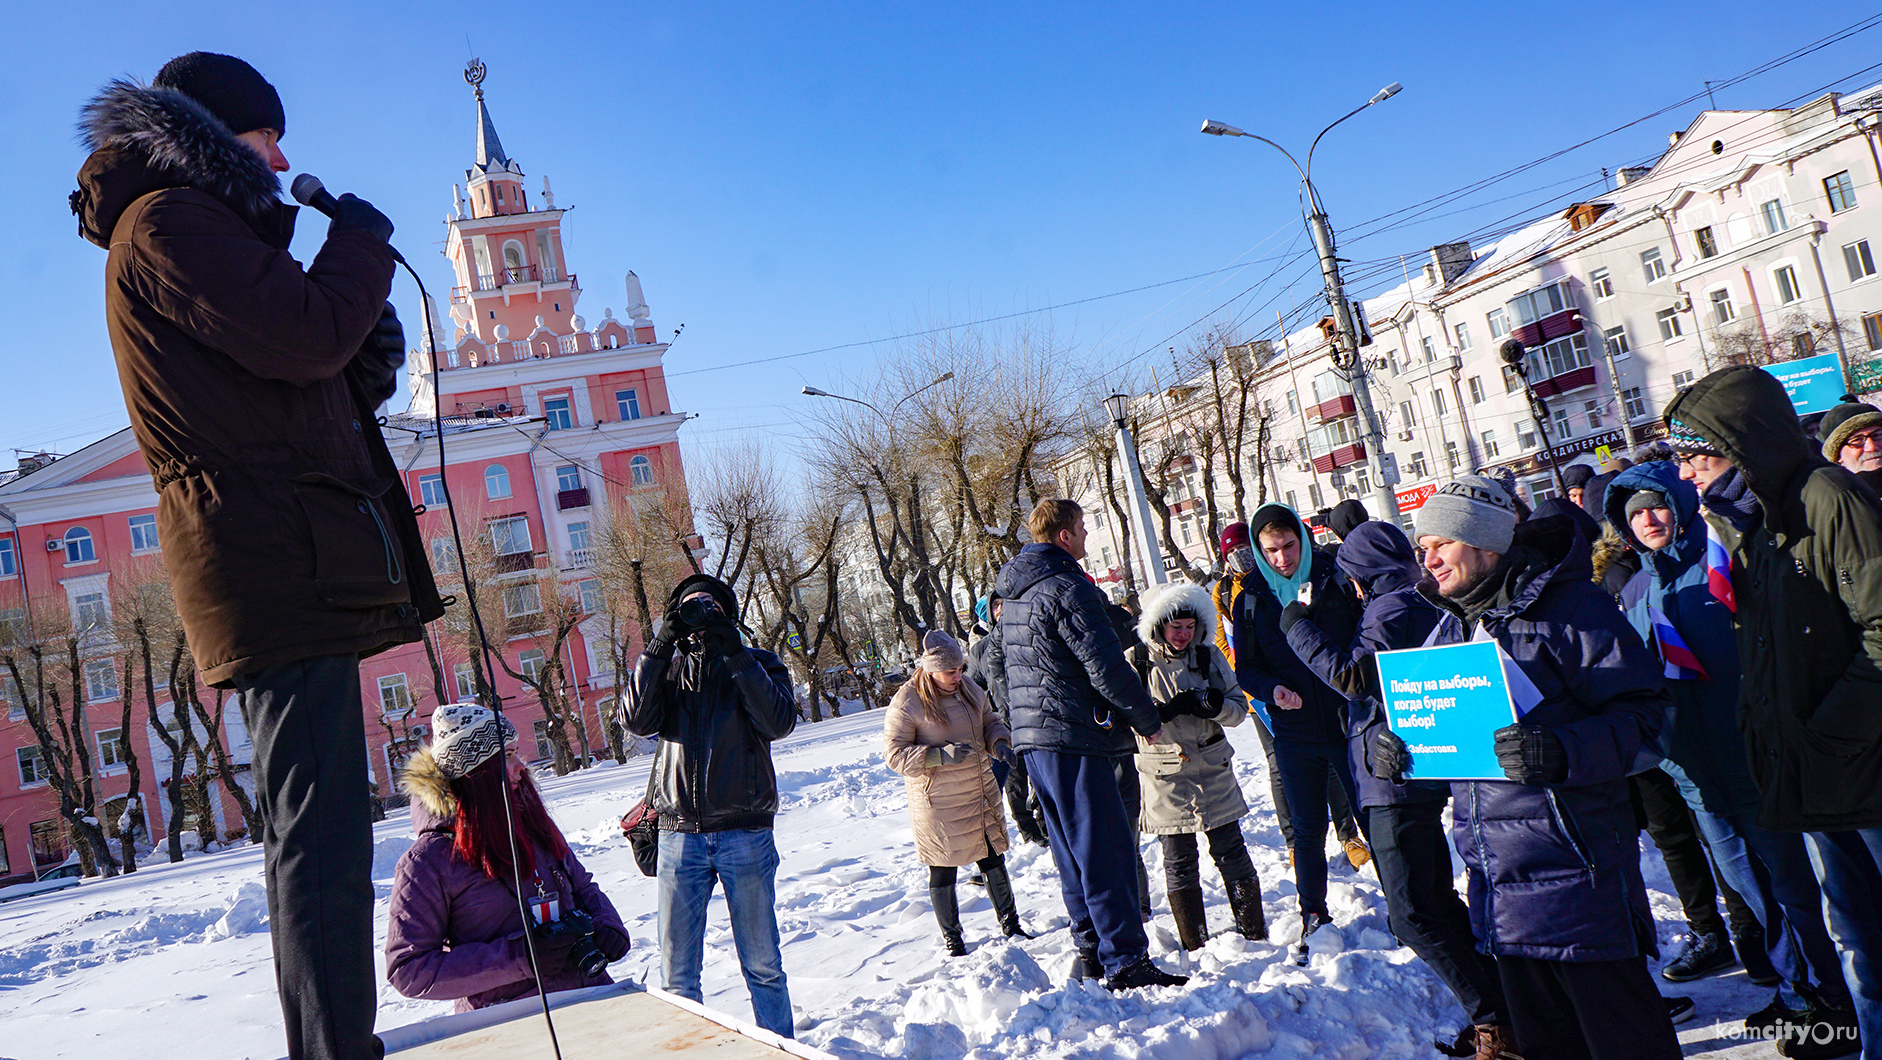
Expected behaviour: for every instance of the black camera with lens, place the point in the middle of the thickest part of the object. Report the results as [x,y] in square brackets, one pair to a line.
[694,612]
[584,953]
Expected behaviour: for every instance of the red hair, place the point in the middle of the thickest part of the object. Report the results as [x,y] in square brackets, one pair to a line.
[480,837]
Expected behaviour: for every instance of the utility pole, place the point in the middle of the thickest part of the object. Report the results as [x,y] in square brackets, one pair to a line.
[1145,539]
[1346,357]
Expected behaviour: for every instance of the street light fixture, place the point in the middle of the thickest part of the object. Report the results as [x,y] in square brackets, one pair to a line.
[1149,555]
[1346,339]
[1516,356]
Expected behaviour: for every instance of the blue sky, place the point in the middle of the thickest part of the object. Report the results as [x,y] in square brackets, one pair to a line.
[785,178]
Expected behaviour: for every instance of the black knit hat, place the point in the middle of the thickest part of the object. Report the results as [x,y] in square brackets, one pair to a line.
[228,88]
[1575,476]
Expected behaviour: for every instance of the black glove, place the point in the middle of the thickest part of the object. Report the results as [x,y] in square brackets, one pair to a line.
[672,628]
[1387,757]
[720,634]
[956,753]
[376,365]
[1186,702]
[352,212]
[1531,754]
[1292,613]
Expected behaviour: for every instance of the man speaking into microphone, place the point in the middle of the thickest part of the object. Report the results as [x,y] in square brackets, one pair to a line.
[290,543]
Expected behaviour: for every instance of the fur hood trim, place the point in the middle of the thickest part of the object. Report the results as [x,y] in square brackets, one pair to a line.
[1608,548]
[1165,600]
[177,143]
[424,781]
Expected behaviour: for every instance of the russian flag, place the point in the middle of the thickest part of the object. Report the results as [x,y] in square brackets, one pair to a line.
[1719,569]
[1681,663]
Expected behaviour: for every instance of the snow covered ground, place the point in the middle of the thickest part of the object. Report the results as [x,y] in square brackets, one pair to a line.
[174,961]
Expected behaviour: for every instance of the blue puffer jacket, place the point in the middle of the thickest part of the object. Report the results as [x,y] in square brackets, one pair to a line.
[1068,686]
[1555,869]
[1263,658]
[1704,748]
[1377,556]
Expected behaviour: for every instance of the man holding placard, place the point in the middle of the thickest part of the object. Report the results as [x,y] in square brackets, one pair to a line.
[1551,845]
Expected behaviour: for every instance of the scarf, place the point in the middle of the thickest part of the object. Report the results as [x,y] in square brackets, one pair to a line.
[1730,498]
[1286,590]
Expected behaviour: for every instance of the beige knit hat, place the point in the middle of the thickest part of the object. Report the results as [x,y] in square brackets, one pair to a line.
[940,652]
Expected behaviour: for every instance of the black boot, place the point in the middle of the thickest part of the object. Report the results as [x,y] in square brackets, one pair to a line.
[947,910]
[1000,889]
[1086,966]
[1192,924]
[1748,941]
[1245,901]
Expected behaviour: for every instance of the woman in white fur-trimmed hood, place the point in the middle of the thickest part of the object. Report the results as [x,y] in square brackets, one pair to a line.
[1188,777]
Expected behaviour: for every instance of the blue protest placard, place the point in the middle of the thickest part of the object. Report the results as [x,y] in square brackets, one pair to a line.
[1815,384]
[1446,703]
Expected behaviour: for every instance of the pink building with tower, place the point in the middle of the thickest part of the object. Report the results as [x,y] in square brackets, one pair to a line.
[551,429]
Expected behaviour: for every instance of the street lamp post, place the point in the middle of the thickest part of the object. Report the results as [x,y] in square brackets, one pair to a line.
[1516,356]
[1145,539]
[1346,339]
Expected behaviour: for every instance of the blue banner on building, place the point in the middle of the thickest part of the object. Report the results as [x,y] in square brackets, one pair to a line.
[1815,384]
[1446,703]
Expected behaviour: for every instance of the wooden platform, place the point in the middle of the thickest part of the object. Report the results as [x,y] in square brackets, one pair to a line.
[605,1021]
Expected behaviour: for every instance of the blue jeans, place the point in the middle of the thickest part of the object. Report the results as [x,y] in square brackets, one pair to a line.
[1094,846]
[1771,871]
[1304,771]
[746,859]
[1849,868]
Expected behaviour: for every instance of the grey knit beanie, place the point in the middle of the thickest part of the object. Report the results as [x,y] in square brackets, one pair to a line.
[940,652]
[1470,508]
[1644,499]
[466,735]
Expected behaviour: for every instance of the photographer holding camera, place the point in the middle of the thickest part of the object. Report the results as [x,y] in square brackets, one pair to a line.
[716,705]
[455,930]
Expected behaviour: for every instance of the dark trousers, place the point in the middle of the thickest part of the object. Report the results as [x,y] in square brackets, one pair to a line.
[1091,839]
[1345,824]
[1413,857]
[1587,1010]
[1227,849]
[309,734]
[946,875]
[1849,870]
[1304,769]
[1131,787]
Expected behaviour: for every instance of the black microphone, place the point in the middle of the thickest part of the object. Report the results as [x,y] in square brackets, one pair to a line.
[309,191]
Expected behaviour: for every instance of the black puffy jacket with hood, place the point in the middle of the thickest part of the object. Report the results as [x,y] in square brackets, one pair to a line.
[715,716]
[1263,658]
[1808,586]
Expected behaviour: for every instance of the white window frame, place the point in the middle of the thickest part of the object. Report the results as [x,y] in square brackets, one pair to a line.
[561,418]
[1601,282]
[1858,261]
[1477,393]
[431,490]
[38,776]
[509,536]
[1771,212]
[395,696]
[80,549]
[9,558]
[111,748]
[1652,265]
[1784,274]
[1682,380]
[91,610]
[568,477]
[529,662]
[627,402]
[1498,320]
[1488,438]
[1633,403]
[1720,300]
[464,676]
[1670,328]
[497,477]
[641,469]
[522,598]
[1462,331]
[1615,340]
[101,680]
[143,533]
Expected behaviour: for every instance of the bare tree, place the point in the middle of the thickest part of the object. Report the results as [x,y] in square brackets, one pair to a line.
[37,659]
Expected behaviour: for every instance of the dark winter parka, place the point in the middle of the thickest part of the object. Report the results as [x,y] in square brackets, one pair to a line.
[285,526]
[1702,741]
[1393,615]
[715,717]
[454,933]
[1555,869]
[1809,588]
[1263,657]
[1069,687]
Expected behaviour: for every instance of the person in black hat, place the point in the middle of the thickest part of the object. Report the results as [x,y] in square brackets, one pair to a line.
[1576,477]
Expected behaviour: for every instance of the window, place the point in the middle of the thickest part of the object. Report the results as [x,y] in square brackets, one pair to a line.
[1633,402]
[1315,497]
[1785,278]
[1560,357]
[1416,469]
[1476,389]
[628,402]
[1408,415]
[12,623]
[47,838]
[1593,411]
[1651,266]
[465,675]
[1601,284]
[578,537]
[510,537]
[1292,502]
[9,558]
[1450,455]
[1512,379]
[431,490]
[443,554]
[1722,312]
[1859,261]
[496,482]
[1803,344]
[395,696]
[1842,193]
[1531,306]
[1189,536]
[101,680]
[520,600]
[32,767]
[568,477]
[1615,338]
[1526,435]
[1463,335]
[1708,246]
[1430,348]
[1329,385]
[143,533]
[111,747]
[1773,213]
[1489,444]
[1104,557]
[642,469]
[1681,380]
[544,748]
[556,411]
[10,698]
[1564,426]
[1293,404]
[530,663]
[89,611]
[78,546]
[1872,330]
[1499,323]
[588,592]
[1438,407]
[5,866]
[1668,319]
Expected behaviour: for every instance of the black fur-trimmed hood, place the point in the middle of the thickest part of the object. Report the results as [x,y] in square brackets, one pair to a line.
[147,139]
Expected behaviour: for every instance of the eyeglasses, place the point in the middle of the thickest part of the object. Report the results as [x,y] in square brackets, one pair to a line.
[1871,439]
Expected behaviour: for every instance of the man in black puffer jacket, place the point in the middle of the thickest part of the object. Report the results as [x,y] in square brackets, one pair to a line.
[1074,700]
[716,706]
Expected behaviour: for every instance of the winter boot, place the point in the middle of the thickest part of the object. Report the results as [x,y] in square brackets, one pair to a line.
[1309,923]
[1749,944]
[1825,1031]
[1245,901]
[947,910]
[1000,890]
[1192,924]
[1141,972]
[1496,1041]
[1678,1009]
[1702,956]
[1086,966]
[1357,852]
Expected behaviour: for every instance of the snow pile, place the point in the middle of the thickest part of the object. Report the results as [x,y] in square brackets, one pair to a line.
[248,910]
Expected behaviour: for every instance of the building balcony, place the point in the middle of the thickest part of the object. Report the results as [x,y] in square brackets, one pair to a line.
[1340,456]
[575,498]
[1549,328]
[514,562]
[1574,379]
[580,559]
[1333,409]
[485,281]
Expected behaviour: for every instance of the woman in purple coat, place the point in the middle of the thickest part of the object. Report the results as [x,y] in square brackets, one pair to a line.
[456,930]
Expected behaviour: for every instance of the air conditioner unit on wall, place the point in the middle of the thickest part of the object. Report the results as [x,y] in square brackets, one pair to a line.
[53,544]
[1304,465]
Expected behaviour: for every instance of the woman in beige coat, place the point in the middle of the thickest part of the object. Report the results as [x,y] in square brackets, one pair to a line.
[941,733]
[1188,778]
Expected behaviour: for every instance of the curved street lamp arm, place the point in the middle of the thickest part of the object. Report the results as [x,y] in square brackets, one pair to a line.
[1323,132]
[944,378]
